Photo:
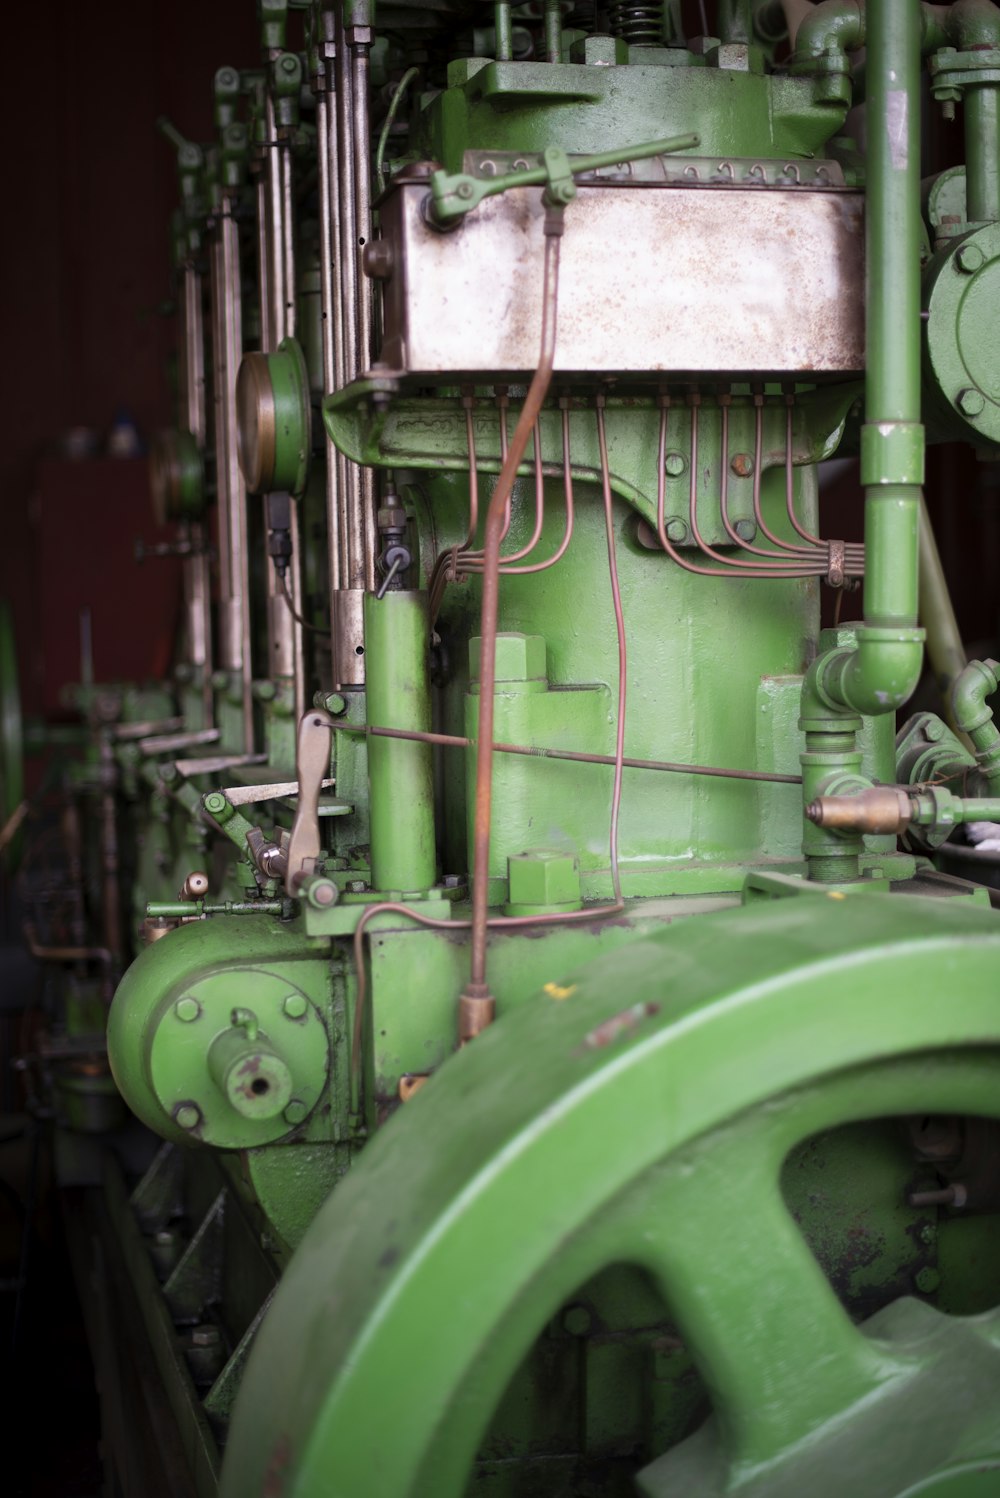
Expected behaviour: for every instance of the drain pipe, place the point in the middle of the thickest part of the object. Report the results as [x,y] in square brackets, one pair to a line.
[879,672]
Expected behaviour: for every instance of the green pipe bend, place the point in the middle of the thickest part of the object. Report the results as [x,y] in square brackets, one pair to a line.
[877,675]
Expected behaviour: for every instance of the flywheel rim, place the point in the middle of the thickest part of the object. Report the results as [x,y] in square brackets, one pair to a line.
[357,1301]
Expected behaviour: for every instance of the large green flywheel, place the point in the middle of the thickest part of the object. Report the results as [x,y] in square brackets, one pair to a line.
[639,1113]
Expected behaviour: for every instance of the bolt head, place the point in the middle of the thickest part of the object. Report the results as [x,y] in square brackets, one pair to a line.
[675,464]
[295,1111]
[356,886]
[742,465]
[205,1336]
[295,1006]
[969,258]
[745,529]
[464,190]
[577,1320]
[676,530]
[323,893]
[187,1008]
[187,1115]
[970,402]
[927,1280]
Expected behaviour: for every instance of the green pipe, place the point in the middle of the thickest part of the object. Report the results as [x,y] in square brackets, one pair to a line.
[944,642]
[838,24]
[400,771]
[504,31]
[982,153]
[979,680]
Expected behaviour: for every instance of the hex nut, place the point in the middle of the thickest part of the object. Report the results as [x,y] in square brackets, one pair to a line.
[187,1115]
[675,464]
[970,402]
[295,1111]
[295,1006]
[676,530]
[745,529]
[927,1280]
[187,1008]
[969,258]
[544,878]
[518,657]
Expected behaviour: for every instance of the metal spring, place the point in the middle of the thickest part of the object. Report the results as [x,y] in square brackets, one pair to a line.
[637,23]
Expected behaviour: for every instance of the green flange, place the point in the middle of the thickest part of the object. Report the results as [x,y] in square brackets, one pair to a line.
[274,420]
[215,1034]
[658,1091]
[176,476]
[961,290]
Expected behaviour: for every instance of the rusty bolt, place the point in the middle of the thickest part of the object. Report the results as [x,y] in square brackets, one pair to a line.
[187,1115]
[295,1111]
[676,530]
[969,258]
[295,1006]
[377,259]
[742,465]
[970,402]
[674,464]
[745,529]
[187,1008]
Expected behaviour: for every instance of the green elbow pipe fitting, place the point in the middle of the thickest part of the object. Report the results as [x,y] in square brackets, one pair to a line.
[876,676]
[979,680]
[833,24]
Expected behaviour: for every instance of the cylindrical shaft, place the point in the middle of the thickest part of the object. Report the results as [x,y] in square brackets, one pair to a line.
[400,774]
[982,153]
[937,615]
[193,360]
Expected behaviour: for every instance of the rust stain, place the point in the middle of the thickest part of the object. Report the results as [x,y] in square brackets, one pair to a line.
[619,1024]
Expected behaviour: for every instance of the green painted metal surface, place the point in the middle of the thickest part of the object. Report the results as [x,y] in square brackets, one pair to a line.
[656,1099]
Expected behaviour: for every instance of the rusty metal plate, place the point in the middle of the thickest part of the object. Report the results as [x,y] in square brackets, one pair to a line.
[653,279]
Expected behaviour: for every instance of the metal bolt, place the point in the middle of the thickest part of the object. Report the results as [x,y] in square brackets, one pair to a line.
[742,465]
[295,1006]
[205,1336]
[927,1280]
[577,1320]
[356,886]
[289,64]
[323,893]
[187,1008]
[928,1233]
[215,803]
[969,258]
[464,190]
[675,464]
[187,1115]
[676,530]
[970,402]
[745,529]
[377,259]
[295,1111]
[933,730]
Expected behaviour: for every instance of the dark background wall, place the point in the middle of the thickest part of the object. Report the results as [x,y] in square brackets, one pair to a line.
[85,272]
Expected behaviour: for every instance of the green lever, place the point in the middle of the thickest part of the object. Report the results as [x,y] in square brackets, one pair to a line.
[453,196]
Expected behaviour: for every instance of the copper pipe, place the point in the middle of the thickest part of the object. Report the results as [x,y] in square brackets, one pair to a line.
[576,756]
[672,553]
[561,549]
[616,598]
[790,565]
[476,998]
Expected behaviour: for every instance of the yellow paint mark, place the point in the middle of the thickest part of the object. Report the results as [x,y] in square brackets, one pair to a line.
[556,991]
[835,894]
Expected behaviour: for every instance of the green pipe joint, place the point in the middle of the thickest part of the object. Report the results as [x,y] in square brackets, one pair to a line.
[875,676]
[979,680]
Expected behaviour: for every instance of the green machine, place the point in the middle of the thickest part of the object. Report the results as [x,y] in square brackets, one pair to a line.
[564,1069]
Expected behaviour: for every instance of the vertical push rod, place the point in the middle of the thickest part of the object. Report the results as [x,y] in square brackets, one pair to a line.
[982,152]
[227,300]
[197,586]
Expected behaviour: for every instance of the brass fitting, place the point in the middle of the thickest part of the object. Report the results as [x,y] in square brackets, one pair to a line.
[883,809]
[476,1011]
